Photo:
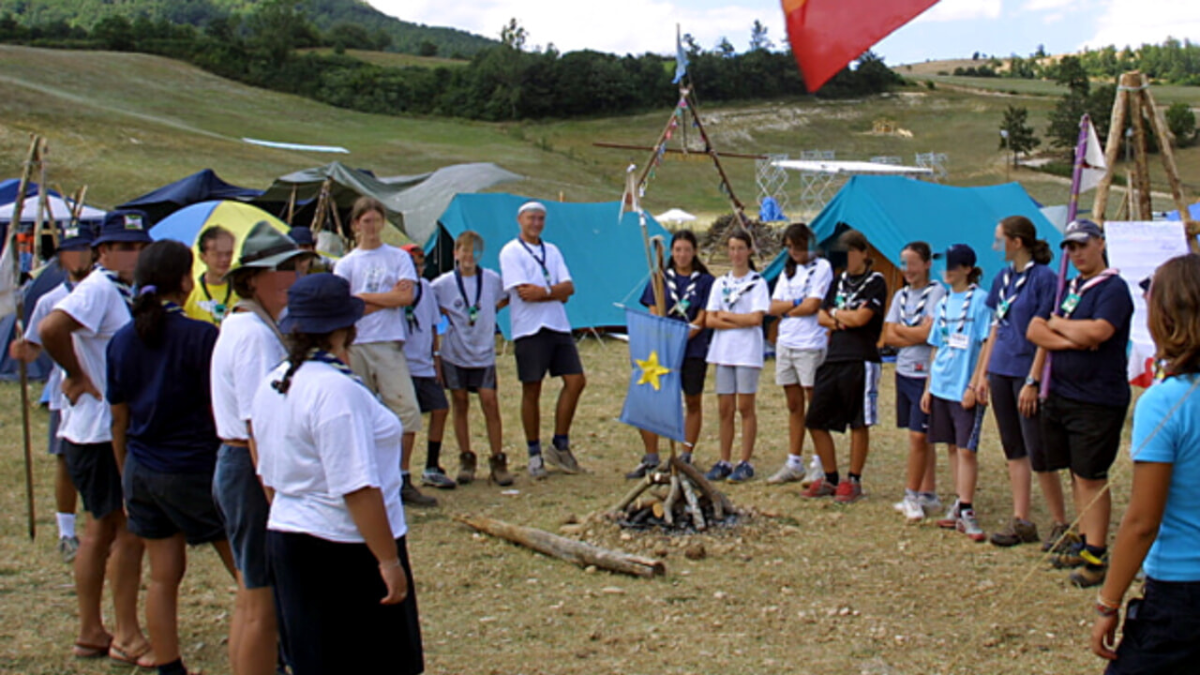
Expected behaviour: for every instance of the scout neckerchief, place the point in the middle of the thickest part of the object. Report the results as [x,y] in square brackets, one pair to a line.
[472,307]
[172,308]
[1075,292]
[219,309]
[410,312]
[681,302]
[122,287]
[847,293]
[914,318]
[963,314]
[322,356]
[732,291]
[810,268]
[540,261]
[1007,298]
[249,305]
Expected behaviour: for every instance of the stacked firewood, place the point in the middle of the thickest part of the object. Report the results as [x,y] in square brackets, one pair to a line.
[674,496]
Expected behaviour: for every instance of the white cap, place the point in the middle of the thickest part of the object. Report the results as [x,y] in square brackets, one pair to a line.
[531,206]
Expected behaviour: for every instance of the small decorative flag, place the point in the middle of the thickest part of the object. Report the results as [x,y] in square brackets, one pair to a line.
[656,350]
[681,58]
[1094,166]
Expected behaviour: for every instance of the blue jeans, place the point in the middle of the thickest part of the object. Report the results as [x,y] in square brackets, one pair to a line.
[243,505]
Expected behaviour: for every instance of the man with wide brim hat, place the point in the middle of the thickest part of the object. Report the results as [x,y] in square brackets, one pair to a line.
[250,344]
[76,335]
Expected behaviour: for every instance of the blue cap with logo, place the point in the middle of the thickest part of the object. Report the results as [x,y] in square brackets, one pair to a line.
[77,237]
[1079,231]
[124,226]
[321,303]
[960,255]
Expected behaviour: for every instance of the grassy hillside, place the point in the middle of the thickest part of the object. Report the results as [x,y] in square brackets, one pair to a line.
[393,59]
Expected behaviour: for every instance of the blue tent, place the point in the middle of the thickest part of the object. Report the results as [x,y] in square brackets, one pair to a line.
[893,210]
[47,278]
[1193,211]
[199,187]
[602,248]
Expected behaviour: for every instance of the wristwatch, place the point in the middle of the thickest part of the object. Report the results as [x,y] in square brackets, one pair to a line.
[1031,381]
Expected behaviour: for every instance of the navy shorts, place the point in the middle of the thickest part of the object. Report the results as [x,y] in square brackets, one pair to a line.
[1020,436]
[54,444]
[160,505]
[1083,437]
[93,471]
[458,378]
[693,374]
[546,351]
[908,404]
[950,423]
[243,505]
[1161,632]
[430,395]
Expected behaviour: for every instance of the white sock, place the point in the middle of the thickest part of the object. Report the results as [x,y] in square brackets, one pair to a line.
[795,461]
[816,463]
[66,524]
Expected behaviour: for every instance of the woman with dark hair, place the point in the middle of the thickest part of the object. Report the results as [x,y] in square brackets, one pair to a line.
[686,285]
[164,437]
[330,452]
[1158,532]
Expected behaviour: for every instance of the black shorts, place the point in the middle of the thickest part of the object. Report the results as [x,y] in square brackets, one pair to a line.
[244,507]
[1162,630]
[93,471]
[1020,436]
[950,423]
[546,351]
[160,505]
[694,371]
[430,395]
[908,404]
[1082,437]
[845,394]
[472,379]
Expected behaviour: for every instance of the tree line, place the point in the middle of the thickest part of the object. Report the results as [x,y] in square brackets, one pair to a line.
[1172,62]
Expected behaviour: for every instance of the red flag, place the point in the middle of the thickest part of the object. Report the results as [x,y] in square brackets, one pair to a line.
[828,34]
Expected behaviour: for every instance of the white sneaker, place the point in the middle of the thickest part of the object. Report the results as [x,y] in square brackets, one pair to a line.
[815,473]
[537,467]
[931,506]
[969,525]
[913,512]
[787,474]
[950,520]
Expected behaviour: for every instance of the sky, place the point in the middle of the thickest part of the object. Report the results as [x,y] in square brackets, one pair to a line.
[950,29]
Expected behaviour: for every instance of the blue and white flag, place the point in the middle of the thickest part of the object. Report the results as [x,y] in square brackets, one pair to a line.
[656,350]
[681,59]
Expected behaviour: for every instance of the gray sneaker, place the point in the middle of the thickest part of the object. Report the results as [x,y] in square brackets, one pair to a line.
[537,467]
[562,458]
[437,478]
[969,525]
[68,547]
[786,474]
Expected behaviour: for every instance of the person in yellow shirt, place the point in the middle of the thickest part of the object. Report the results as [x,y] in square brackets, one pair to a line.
[213,298]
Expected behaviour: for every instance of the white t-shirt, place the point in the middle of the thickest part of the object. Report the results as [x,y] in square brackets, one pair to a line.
[518,265]
[418,349]
[41,310]
[101,311]
[377,270]
[810,281]
[246,350]
[465,345]
[738,346]
[328,437]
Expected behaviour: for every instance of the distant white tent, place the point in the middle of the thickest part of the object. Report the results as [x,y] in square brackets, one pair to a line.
[676,216]
[851,168]
[59,211]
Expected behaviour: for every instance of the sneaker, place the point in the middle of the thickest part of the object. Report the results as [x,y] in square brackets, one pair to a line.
[1017,531]
[911,508]
[950,520]
[848,492]
[815,472]
[466,467]
[68,547]
[719,471]
[537,467]
[741,473]
[930,505]
[786,474]
[819,488]
[968,525]
[1057,542]
[1089,575]
[562,458]
[498,470]
[640,472]
[1070,559]
[437,478]
[411,496]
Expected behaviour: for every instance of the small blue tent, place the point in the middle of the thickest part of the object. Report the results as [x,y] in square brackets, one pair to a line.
[199,187]
[893,210]
[47,278]
[602,247]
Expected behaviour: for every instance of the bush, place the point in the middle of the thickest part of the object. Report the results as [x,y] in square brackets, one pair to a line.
[1182,123]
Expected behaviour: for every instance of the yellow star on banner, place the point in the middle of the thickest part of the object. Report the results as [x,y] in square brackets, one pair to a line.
[651,370]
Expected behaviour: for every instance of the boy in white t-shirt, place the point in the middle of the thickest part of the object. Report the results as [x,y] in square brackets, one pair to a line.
[384,277]
[470,296]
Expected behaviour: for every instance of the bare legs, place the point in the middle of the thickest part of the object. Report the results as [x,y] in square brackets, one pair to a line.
[564,412]
[860,442]
[796,399]
[743,405]
[460,405]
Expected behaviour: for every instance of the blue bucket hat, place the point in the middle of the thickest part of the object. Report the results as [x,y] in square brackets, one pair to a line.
[302,236]
[960,255]
[124,226]
[321,303]
[77,237]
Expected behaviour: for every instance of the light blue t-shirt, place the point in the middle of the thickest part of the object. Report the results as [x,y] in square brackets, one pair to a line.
[953,366]
[1174,556]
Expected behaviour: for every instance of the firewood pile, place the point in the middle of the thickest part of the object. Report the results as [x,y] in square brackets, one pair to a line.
[768,241]
[675,496]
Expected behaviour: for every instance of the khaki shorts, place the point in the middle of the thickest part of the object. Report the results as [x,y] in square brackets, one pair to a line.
[383,368]
[797,366]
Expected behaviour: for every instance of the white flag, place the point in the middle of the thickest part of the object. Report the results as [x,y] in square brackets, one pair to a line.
[1094,166]
[8,280]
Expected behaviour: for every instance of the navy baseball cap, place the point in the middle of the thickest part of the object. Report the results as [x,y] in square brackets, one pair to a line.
[960,255]
[321,303]
[302,236]
[1080,231]
[124,226]
[77,237]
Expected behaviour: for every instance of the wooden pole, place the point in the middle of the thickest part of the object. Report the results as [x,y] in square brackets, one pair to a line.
[43,208]
[1158,125]
[1115,130]
[1141,168]
[34,156]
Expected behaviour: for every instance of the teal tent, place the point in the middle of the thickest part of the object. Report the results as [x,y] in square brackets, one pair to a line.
[602,247]
[893,210]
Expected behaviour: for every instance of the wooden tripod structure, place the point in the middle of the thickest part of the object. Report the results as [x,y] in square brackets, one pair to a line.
[1135,103]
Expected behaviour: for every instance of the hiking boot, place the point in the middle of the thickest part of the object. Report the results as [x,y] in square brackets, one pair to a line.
[848,491]
[437,478]
[787,474]
[466,467]
[1088,576]
[911,508]
[562,458]
[1017,531]
[741,473]
[1070,559]
[1057,542]
[815,472]
[968,525]
[498,470]
[411,496]
[819,488]
[68,547]
[950,520]
[640,472]
[537,467]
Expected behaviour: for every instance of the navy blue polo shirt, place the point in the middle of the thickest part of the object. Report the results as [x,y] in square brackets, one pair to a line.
[1012,355]
[171,427]
[696,295]
[1099,375]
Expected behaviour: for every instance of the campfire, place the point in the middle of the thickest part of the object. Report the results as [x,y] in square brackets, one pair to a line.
[675,497]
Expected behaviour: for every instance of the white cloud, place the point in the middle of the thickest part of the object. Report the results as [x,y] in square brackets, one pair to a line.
[1135,22]
[962,10]
[1048,5]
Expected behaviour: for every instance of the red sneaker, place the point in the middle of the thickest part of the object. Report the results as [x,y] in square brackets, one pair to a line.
[848,492]
[818,488]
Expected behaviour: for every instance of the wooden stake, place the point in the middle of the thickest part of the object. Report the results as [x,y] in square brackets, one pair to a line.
[721,505]
[1115,130]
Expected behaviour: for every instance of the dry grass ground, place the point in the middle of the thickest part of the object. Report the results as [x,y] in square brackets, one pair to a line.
[801,588]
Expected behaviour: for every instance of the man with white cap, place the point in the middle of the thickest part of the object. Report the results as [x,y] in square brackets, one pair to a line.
[538,284]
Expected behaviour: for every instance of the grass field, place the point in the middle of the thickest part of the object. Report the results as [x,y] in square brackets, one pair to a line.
[395,60]
[799,588]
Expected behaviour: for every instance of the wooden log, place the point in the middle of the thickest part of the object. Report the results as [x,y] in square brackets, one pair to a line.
[1115,130]
[721,505]
[689,493]
[638,489]
[1141,167]
[575,552]
[669,503]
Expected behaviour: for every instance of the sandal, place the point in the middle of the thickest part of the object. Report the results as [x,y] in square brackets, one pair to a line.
[82,650]
[122,657]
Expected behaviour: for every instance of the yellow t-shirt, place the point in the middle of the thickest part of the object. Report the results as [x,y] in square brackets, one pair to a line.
[210,302]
